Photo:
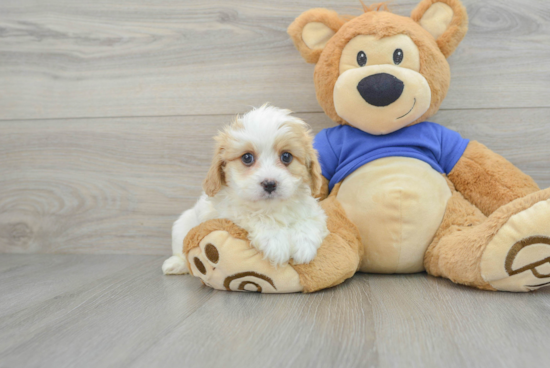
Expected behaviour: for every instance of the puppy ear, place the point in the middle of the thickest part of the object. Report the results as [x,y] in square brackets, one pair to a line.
[312,30]
[215,178]
[315,173]
[446,20]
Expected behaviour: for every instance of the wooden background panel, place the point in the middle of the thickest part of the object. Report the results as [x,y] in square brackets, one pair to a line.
[520,135]
[122,180]
[139,58]
[116,185]
[102,185]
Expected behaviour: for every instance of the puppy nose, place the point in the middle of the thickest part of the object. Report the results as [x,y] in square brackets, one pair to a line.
[269,185]
[380,89]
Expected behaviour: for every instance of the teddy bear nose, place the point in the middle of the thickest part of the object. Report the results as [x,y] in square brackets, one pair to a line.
[380,89]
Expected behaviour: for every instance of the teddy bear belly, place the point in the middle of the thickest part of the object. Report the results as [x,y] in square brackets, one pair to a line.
[398,204]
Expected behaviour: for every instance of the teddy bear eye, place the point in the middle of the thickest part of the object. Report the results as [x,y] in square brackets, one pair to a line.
[361,58]
[398,56]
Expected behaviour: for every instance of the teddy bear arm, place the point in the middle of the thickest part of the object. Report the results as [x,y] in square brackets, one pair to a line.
[340,254]
[337,260]
[488,180]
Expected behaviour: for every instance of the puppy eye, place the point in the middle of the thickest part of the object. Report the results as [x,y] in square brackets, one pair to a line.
[286,158]
[361,58]
[398,56]
[247,159]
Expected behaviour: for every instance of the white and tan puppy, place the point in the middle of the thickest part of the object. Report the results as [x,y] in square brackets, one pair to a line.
[264,177]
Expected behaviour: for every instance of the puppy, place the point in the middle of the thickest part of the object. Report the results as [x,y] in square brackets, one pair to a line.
[263,177]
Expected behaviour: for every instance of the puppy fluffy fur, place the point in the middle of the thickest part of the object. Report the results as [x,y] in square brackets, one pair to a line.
[283,219]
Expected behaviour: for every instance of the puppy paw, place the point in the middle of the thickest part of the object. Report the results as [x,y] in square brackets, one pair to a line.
[304,248]
[175,265]
[274,246]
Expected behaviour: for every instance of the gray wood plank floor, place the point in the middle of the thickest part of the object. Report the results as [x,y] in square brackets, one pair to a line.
[120,311]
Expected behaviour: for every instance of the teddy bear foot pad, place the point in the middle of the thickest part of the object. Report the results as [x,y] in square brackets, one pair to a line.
[518,257]
[224,262]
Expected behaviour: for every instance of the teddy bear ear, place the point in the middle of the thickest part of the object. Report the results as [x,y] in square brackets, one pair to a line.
[445,20]
[312,30]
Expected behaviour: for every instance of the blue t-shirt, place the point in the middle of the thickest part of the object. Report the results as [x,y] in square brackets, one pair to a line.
[344,149]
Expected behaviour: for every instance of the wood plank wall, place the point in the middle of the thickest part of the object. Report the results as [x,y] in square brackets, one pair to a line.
[107,109]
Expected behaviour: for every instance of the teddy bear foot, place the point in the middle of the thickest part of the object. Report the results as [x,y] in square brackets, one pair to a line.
[225,262]
[518,257]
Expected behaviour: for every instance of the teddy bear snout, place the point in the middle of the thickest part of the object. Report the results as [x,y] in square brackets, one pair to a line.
[380,89]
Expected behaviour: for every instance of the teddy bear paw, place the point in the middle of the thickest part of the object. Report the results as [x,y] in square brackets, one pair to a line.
[224,262]
[518,257]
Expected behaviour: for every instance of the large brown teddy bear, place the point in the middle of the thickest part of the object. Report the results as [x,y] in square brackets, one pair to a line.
[406,195]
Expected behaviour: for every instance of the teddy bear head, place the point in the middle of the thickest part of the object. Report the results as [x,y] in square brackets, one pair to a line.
[380,72]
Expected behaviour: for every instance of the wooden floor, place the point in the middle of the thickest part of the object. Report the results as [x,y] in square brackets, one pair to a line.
[120,311]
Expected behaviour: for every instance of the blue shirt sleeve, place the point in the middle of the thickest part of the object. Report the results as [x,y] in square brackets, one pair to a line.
[452,149]
[327,157]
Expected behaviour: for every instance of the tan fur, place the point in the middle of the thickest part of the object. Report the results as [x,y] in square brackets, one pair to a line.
[299,142]
[215,178]
[338,257]
[223,152]
[195,236]
[449,40]
[433,65]
[433,54]
[323,191]
[330,18]
[383,6]
[464,234]
[315,172]
[295,141]
[488,180]
[228,151]
[460,216]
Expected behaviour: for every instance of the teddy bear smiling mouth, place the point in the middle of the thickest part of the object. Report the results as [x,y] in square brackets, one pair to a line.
[414,104]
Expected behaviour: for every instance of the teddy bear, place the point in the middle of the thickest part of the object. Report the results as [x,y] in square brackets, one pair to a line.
[402,194]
